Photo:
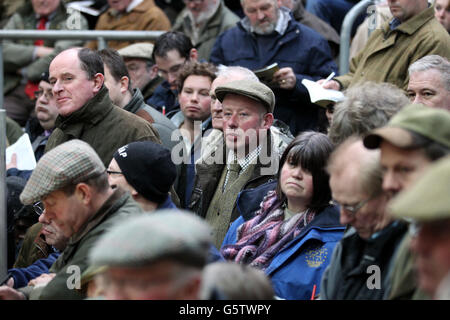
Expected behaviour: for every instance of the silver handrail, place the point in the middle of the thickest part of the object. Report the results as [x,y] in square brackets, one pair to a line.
[346,29]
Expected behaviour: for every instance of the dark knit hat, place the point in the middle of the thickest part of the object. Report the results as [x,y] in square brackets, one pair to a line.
[148,168]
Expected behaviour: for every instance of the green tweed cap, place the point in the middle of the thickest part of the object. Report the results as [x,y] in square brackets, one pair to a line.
[142,50]
[428,199]
[71,162]
[431,123]
[142,240]
[251,89]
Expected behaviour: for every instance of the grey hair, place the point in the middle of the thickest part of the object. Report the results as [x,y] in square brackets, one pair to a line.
[433,62]
[235,282]
[227,72]
[366,106]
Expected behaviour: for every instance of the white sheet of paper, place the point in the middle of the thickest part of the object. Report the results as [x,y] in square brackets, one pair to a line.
[320,95]
[24,151]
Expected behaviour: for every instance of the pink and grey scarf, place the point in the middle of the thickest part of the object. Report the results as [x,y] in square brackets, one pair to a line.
[262,237]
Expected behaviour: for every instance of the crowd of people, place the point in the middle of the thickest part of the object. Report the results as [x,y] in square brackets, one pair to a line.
[170,169]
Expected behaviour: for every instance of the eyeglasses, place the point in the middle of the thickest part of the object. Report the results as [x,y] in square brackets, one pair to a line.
[113,172]
[48,94]
[38,208]
[353,209]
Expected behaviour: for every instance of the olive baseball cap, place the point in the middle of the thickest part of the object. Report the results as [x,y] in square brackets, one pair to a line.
[148,238]
[431,123]
[428,198]
[141,50]
[251,89]
[69,163]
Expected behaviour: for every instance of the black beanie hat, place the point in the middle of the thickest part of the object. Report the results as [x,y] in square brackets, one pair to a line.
[148,168]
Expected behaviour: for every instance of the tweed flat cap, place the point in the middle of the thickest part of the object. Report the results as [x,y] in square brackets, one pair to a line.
[142,50]
[431,123]
[71,162]
[428,198]
[251,89]
[142,240]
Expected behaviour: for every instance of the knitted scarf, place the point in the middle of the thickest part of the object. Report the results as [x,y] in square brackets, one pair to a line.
[262,237]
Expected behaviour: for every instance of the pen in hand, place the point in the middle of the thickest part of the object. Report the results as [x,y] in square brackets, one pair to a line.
[329,78]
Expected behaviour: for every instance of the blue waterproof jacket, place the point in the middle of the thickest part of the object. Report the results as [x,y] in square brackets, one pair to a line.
[300,47]
[299,265]
[22,276]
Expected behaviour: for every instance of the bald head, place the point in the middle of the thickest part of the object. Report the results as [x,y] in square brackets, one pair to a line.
[355,182]
[76,76]
[355,164]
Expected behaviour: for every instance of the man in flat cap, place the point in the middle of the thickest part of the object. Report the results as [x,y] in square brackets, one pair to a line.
[415,137]
[71,184]
[428,204]
[146,170]
[141,67]
[248,158]
[153,257]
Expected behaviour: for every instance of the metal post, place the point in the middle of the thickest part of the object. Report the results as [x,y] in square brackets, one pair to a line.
[344,51]
[101,43]
[3,212]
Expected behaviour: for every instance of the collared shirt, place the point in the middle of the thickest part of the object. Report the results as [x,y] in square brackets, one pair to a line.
[394,23]
[243,162]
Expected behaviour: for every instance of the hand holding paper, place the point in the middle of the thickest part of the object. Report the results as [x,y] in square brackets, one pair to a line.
[24,152]
[320,95]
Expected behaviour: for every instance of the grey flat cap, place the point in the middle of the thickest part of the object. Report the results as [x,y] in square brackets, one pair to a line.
[71,162]
[141,50]
[251,89]
[142,240]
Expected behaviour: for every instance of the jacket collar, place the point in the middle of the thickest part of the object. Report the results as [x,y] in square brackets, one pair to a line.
[136,101]
[92,112]
[413,24]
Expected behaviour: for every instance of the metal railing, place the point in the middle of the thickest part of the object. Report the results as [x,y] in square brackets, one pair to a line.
[101,36]
[346,30]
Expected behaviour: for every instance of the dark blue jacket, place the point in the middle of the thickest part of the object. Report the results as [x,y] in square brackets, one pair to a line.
[23,275]
[164,96]
[299,265]
[301,48]
[214,254]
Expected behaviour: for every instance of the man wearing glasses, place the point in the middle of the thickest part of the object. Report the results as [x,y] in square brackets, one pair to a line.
[71,182]
[362,260]
[39,128]
[170,53]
